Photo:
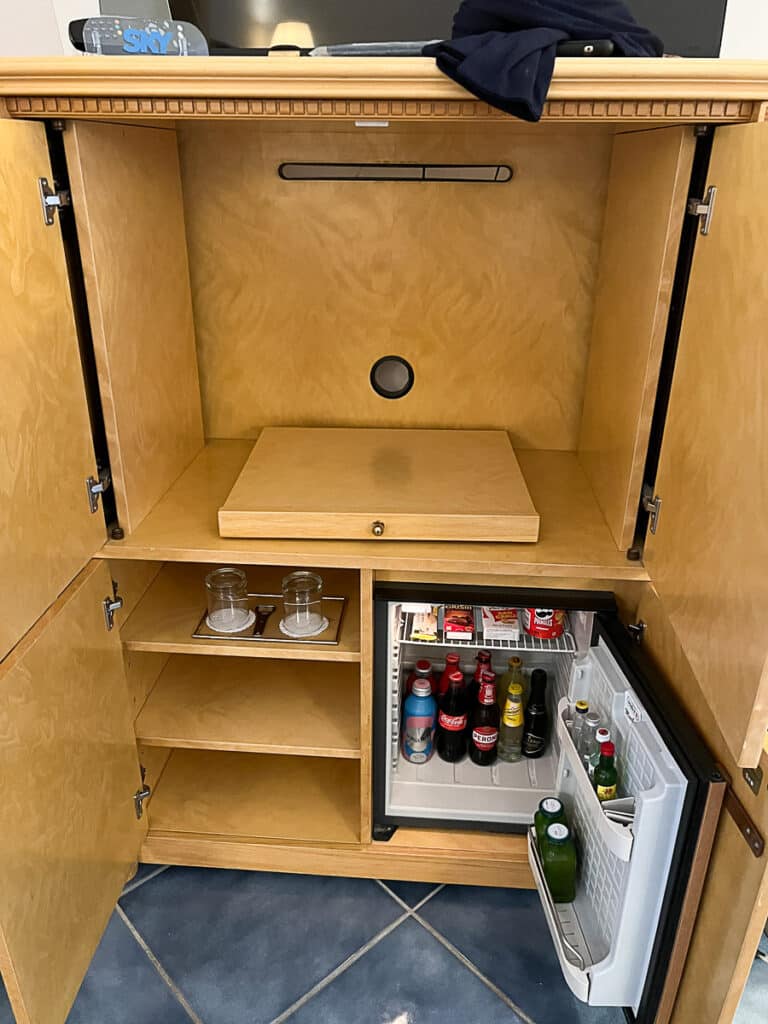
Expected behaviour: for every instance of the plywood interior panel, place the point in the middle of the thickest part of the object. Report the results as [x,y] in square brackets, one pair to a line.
[709,555]
[126,193]
[647,192]
[69,837]
[734,904]
[281,707]
[299,287]
[344,483]
[47,532]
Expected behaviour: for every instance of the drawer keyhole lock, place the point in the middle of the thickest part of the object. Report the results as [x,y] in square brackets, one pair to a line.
[377,528]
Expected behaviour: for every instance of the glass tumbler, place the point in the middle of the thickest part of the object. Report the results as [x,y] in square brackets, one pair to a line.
[302,605]
[228,610]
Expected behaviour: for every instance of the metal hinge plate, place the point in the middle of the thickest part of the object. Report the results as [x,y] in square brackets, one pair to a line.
[704,209]
[753,778]
[52,201]
[111,605]
[652,505]
[95,488]
[141,794]
[742,818]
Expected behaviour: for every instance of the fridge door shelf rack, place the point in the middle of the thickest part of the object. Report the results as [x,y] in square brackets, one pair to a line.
[564,644]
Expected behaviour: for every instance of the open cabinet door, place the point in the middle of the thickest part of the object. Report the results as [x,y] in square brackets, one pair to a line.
[69,834]
[709,556]
[47,531]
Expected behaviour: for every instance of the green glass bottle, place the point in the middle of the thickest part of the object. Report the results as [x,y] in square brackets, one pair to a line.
[550,812]
[606,777]
[558,858]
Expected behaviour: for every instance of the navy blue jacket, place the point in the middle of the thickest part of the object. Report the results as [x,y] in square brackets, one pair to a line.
[503,51]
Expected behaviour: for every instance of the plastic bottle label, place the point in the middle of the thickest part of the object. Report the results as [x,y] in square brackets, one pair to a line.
[485,737]
[417,738]
[452,723]
[513,713]
[533,744]
[606,793]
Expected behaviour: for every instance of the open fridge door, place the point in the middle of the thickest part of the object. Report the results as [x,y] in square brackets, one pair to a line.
[627,928]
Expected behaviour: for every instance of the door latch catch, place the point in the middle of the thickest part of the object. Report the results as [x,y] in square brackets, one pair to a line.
[52,201]
[704,209]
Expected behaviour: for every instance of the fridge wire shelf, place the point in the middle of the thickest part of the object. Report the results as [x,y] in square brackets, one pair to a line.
[565,644]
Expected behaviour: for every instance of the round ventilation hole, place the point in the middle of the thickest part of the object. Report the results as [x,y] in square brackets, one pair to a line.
[392,377]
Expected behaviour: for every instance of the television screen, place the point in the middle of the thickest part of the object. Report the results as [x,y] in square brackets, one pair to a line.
[690,28]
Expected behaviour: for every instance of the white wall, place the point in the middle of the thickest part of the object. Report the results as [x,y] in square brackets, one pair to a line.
[40,28]
[746,29]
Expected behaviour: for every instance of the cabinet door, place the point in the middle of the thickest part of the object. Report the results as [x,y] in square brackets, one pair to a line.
[68,829]
[47,532]
[709,556]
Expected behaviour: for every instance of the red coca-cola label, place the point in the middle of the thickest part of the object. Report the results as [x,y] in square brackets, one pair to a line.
[485,736]
[487,693]
[452,723]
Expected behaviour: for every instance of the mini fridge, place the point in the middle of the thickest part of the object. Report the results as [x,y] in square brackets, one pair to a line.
[623,940]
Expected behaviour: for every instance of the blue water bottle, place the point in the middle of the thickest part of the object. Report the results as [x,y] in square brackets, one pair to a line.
[419,716]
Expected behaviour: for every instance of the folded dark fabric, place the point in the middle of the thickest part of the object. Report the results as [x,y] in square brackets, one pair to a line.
[503,51]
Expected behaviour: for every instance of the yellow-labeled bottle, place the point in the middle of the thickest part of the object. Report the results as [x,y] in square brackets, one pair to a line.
[509,747]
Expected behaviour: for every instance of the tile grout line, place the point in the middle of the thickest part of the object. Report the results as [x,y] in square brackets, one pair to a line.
[175,990]
[132,886]
[475,970]
[403,904]
[337,971]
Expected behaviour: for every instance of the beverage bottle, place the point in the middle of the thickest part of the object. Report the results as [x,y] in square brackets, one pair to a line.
[558,858]
[451,740]
[419,714]
[422,670]
[606,777]
[550,810]
[451,666]
[485,723]
[579,721]
[483,661]
[601,736]
[514,674]
[536,727]
[588,741]
[510,746]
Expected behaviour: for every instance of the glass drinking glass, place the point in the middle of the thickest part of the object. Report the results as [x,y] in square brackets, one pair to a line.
[302,605]
[228,610]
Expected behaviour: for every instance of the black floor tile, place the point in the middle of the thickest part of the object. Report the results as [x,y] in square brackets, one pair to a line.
[411,892]
[123,987]
[407,978]
[504,933]
[242,946]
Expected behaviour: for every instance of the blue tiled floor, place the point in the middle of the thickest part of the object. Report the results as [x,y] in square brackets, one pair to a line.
[232,947]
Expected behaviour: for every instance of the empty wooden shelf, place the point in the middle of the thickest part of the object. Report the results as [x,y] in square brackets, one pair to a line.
[276,707]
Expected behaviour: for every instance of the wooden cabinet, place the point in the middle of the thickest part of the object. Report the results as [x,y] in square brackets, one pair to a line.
[223,300]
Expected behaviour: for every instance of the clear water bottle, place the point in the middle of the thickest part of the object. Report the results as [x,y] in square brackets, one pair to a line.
[579,721]
[588,738]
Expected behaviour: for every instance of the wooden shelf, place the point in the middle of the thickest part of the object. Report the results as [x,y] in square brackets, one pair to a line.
[172,607]
[275,707]
[575,542]
[258,796]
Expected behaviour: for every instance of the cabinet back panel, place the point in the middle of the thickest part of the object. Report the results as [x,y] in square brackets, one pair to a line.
[298,287]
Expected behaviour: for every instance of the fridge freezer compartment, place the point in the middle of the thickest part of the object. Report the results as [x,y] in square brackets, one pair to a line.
[617,838]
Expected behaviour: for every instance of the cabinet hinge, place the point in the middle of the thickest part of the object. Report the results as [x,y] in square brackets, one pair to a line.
[704,209]
[111,605]
[96,487]
[52,201]
[637,630]
[753,778]
[141,794]
[652,505]
[741,818]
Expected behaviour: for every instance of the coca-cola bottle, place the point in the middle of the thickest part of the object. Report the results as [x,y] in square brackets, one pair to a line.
[483,660]
[451,739]
[451,666]
[536,731]
[485,723]
[423,670]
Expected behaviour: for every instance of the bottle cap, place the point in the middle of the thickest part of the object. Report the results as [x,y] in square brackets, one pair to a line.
[607,750]
[581,706]
[456,677]
[602,736]
[452,659]
[551,806]
[483,656]
[422,688]
[558,833]
[514,661]
[593,719]
[424,666]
